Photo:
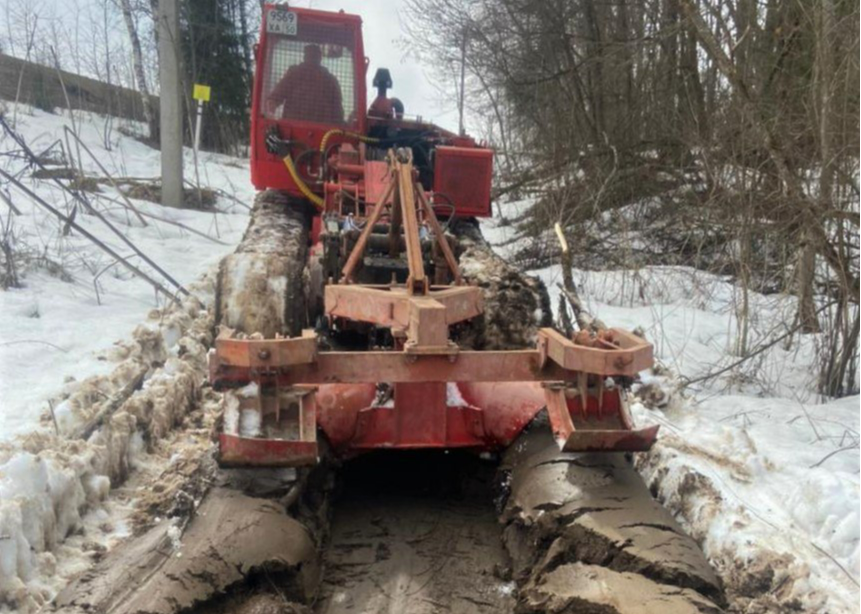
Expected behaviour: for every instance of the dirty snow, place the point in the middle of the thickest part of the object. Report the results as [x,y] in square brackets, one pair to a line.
[760,471]
[54,330]
[58,343]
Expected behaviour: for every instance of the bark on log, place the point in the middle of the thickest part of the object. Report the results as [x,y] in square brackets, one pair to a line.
[231,537]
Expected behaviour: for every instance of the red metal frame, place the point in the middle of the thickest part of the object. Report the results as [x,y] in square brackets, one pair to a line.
[447,399]
[440,395]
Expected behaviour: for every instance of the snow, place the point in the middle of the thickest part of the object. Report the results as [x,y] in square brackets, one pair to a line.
[249,423]
[50,498]
[784,486]
[54,330]
[761,472]
[58,347]
[453,397]
[231,414]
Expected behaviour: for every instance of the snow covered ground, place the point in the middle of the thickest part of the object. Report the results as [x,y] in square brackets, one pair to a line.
[61,324]
[760,472]
[78,330]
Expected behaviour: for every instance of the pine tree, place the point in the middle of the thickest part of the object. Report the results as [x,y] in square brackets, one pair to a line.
[214,52]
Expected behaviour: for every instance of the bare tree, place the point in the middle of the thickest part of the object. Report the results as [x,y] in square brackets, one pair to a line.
[139,72]
[732,127]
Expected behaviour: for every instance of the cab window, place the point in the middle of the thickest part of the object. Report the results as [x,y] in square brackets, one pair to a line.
[310,75]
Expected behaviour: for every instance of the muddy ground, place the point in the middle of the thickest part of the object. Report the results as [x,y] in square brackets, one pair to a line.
[535,531]
[416,533]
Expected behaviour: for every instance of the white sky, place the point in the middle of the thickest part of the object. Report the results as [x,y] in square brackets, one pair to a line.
[381,29]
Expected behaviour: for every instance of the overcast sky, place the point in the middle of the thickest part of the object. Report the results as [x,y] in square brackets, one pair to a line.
[381,29]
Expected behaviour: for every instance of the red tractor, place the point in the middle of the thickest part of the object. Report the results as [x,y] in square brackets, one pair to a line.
[342,306]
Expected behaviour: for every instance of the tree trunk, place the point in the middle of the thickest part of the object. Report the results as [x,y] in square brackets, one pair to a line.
[669,62]
[595,73]
[140,76]
[822,103]
[807,213]
[745,37]
[246,37]
[805,276]
[692,96]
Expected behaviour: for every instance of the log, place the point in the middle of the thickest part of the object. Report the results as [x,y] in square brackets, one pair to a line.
[231,537]
[110,406]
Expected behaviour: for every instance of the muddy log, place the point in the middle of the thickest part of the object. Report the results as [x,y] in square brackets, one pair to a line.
[230,540]
[516,305]
[585,535]
[262,285]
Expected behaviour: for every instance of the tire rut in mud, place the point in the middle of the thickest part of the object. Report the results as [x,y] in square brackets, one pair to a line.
[585,535]
[415,533]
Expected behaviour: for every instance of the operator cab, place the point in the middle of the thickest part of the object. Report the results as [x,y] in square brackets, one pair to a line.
[310,71]
[313,138]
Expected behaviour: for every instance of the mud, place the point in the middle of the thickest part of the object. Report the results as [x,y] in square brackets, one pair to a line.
[571,514]
[516,305]
[406,532]
[591,589]
[760,582]
[416,533]
[231,539]
[264,599]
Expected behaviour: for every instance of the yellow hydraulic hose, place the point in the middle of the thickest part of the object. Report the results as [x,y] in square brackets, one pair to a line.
[340,132]
[291,168]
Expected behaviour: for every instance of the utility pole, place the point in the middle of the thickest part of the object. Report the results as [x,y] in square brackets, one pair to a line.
[461,130]
[170,103]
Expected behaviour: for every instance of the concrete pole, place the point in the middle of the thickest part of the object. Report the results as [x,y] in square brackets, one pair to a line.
[170,103]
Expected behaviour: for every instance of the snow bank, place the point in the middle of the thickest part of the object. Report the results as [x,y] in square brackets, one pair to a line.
[48,481]
[75,300]
[760,473]
[769,492]
[42,498]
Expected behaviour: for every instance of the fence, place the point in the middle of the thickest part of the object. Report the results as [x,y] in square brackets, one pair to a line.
[41,87]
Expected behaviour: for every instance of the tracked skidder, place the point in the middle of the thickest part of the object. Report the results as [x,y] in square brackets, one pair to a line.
[343,310]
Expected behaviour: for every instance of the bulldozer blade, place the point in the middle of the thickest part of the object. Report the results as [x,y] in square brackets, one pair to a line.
[640,440]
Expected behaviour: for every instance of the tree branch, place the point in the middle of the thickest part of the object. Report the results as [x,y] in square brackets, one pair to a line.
[762,350]
[833,454]
[8,202]
[77,196]
[72,224]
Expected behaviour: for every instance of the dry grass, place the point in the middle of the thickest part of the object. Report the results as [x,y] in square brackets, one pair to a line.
[203,199]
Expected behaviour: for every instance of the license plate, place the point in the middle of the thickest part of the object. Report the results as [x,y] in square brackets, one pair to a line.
[281,22]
